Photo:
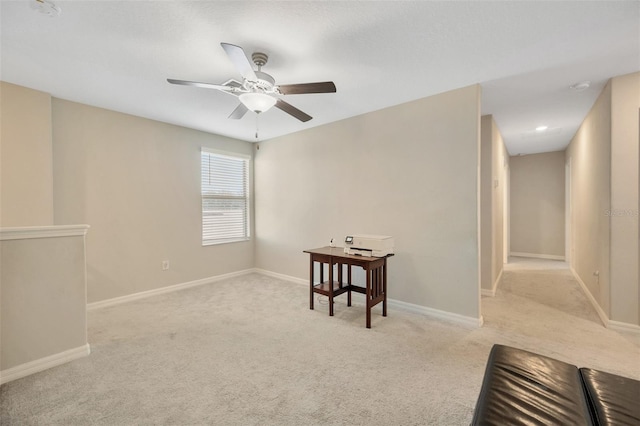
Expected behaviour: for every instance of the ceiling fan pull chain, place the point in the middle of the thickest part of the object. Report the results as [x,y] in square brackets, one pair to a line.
[257,124]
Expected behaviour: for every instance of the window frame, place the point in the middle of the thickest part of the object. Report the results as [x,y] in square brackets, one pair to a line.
[247,196]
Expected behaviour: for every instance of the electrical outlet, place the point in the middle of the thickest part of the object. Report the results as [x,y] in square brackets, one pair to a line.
[165,265]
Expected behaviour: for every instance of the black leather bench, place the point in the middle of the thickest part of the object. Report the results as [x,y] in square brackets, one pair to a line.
[525,388]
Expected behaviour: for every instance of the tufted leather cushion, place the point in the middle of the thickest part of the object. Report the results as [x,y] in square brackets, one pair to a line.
[614,400]
[524,388]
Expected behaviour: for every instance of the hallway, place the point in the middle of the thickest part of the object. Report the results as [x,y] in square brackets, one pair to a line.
[548,283]
[540,301]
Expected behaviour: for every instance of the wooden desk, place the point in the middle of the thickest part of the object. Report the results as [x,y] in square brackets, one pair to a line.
[375,288]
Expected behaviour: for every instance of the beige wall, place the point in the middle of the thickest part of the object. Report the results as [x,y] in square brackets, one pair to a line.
[137,183]
[604,160]
[26,180]
[589,155]
[625,157]
[499,163]
[537,204]
[43,291]
[494,157]
[486,202]
[410,171]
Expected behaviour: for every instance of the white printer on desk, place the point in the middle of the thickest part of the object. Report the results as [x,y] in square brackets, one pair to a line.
[368,245]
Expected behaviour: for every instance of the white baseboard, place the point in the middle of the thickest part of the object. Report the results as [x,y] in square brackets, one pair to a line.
[42,364]
[492,292]
[592,300]
[497,281]
[437,314]
[163,290]
[624,327]
[461,319]
[536,256]
[408,307]
[282,276]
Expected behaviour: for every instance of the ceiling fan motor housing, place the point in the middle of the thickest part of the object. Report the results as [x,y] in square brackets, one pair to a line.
[259,58]
[265,81]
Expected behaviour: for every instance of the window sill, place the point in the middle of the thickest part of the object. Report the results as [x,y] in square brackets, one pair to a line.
[217,243]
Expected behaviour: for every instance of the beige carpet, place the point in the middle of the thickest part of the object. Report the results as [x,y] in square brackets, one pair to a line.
[248,351]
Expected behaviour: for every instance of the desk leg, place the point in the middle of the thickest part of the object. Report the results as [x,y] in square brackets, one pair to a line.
[311,282]
[368,298]
[349,284]
[384,288]
[331,287]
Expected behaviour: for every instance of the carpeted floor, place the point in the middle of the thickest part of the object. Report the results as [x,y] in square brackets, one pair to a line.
[248,351]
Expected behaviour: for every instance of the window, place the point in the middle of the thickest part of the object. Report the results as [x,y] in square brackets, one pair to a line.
[225,197]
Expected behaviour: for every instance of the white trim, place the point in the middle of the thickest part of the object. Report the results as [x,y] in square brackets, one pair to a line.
[230,154]
[479,205]
[282,276]
[42,364]
[487,292]
[437,314]
[594,303]
[492,292]
[27,232]
[163,290]
[624,327]
[537,256]
[497,281]
[506,230]
[408,307]
[567,211]
[618,326]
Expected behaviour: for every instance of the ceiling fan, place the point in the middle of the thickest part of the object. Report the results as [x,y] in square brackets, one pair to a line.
[258,91]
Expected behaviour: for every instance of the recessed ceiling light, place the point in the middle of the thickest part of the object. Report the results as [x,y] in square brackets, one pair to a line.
[46,7]
[579,87]
[539,133]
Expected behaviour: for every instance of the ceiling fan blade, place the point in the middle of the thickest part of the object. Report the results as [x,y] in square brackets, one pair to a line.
[239,112]
[240,61]
[293,111]
[299,89]
[233,83]
[205,85]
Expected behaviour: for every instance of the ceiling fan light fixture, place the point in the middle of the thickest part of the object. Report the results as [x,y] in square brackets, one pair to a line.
[257,102]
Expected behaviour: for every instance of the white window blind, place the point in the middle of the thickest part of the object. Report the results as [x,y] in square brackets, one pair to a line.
[225,197]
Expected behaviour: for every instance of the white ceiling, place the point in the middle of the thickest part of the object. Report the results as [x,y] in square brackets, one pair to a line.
[526,54]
